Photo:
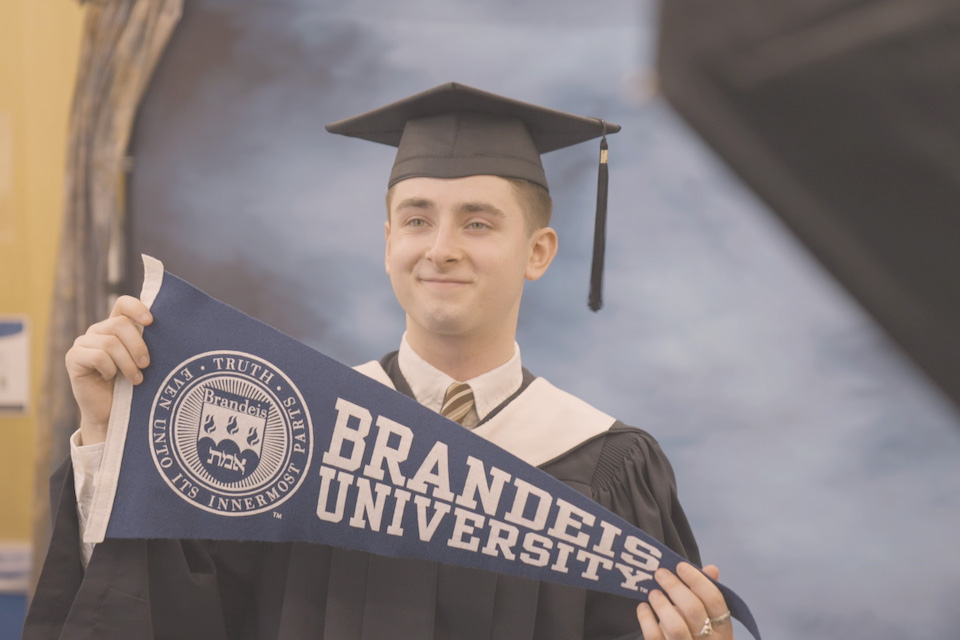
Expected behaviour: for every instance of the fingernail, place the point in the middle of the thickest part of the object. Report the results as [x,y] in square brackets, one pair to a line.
[137,378]
[143,361]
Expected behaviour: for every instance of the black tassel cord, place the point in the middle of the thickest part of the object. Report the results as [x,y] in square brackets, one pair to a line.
[599,230]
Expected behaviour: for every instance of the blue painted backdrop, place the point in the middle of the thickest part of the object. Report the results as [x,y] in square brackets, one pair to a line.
[819,469]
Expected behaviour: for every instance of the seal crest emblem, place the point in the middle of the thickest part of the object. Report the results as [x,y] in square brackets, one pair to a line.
[230,433]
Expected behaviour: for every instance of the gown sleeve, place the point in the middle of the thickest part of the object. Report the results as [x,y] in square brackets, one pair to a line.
[627,472]
[634,480]
[137,588]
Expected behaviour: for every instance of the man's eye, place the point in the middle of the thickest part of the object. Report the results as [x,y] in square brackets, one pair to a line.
[477,225]
[416,222]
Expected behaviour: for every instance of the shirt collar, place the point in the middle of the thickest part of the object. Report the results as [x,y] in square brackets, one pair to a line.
[429,384]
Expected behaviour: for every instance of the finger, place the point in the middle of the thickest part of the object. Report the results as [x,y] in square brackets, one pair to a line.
[706,591]
[672,622]
[129,336]
[132,308]
[686,601]
[648,623]
[712,571]
[84,361]
[104,353]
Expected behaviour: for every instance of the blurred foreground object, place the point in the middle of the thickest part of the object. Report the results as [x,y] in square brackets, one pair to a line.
[844,115]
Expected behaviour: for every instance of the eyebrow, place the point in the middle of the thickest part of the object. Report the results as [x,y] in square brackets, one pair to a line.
[477,207]
[463,207]
[415,203]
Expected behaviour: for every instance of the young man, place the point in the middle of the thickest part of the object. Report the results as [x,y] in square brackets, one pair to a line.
[467,226]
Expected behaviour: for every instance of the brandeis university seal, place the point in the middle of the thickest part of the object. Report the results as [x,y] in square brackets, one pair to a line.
[230,433]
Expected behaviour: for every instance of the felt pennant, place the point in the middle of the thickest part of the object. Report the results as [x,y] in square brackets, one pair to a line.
[239,432]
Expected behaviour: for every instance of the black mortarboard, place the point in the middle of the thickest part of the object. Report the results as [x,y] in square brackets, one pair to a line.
[454,131]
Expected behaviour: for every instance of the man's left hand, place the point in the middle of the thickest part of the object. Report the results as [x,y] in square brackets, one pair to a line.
[686,606]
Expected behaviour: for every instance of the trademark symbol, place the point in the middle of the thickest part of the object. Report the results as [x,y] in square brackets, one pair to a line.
[278,515]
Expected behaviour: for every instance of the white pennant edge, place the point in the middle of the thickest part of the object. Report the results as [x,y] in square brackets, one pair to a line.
[105,482]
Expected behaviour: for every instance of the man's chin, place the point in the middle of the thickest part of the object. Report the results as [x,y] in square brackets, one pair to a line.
[446,323]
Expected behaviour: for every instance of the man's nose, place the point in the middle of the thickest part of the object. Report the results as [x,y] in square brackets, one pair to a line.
[445,246]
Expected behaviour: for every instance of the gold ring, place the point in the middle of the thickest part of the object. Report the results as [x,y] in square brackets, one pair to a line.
[723,617]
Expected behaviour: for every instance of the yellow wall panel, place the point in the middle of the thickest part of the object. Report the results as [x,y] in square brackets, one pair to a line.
[39,50]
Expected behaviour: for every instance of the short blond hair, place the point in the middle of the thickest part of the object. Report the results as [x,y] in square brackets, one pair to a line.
[534,200]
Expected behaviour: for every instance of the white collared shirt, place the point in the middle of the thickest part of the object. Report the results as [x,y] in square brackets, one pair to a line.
[429,384]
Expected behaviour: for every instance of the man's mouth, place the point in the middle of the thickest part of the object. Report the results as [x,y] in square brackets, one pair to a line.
[443,283]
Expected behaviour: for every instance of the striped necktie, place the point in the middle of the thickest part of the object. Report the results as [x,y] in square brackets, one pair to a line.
[457,402]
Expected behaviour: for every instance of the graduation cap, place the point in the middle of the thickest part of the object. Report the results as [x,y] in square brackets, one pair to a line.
[455,131]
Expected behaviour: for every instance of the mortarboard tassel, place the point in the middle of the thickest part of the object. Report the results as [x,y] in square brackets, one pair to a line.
[600,228]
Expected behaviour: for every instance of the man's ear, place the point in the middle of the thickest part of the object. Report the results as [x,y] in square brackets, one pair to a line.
[386,242]
[543,247]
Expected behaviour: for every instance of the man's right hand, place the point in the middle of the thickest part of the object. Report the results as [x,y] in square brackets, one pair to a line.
[107,348]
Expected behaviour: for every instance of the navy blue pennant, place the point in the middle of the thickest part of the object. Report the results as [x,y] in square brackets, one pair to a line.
[240,432]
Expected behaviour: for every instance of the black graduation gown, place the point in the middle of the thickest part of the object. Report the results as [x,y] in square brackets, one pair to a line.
[183,589]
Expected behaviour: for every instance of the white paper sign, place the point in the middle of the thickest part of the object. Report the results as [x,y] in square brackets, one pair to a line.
[14,365]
